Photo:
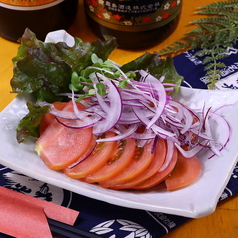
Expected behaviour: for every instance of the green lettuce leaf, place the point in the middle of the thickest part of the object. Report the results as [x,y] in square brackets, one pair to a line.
[157,66]
[29,126]
[44,69]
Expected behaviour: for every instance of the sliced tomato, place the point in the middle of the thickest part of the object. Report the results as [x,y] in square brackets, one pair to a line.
[117,164]
[60,146]
[100,155]
[141,161]
[90,149]
[155,165]
[186,171]
[159,176]
[48,117]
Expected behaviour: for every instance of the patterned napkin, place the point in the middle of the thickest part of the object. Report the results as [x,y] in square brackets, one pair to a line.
[113,221]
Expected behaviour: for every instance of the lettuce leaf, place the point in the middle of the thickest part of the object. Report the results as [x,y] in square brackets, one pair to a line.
[44,69]
[157,66]
[29,126]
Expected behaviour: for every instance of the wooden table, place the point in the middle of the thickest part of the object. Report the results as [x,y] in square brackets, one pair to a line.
[223,223]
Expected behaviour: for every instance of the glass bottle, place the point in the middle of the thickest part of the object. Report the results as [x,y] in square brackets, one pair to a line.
[135,23]
[40,16]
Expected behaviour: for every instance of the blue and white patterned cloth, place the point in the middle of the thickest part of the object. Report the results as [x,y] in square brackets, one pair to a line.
[113,221]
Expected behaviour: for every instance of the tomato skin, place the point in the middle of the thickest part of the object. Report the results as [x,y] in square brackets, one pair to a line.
[156,163]
[186,171]
[158,177]
[137,167]
[101,154]
[109,171]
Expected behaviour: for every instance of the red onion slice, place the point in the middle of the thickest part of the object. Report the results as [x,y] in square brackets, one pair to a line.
[113,109]
[124,133]
[169,155]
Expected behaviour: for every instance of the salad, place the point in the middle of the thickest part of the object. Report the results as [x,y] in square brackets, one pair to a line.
[117,126]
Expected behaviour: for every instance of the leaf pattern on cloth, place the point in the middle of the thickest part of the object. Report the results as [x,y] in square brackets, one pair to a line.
[103,227]
[135,230]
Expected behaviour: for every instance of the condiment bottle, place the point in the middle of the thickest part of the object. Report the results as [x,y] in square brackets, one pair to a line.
[40,16]
[135,23]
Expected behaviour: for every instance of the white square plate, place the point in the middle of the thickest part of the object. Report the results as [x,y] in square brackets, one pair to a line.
[196,200]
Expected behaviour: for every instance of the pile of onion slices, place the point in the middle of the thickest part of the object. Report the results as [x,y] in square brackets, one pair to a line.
[145,110]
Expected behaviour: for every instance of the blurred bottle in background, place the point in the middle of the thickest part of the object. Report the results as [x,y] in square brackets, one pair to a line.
[135,23]
[40,16]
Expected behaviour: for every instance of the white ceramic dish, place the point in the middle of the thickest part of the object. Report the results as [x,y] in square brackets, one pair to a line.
[196,200]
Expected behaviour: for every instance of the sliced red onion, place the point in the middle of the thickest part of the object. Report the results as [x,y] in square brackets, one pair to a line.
[142,143]
[187,118]
[221,139]
[158,130]
[79,123]
[169,155]
[113,109]
[193,151]
[159,99]
[124,133]
[146,135]
[58,113]
[146,103]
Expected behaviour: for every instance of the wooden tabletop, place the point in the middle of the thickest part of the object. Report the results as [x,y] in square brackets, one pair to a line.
[223,223]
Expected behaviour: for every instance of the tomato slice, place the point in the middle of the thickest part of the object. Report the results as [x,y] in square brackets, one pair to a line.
[48,118]
[186,171]
[100,155]
[141,161]
[116,165]
[60,146]
[155,165]
[159,176]
[90,149]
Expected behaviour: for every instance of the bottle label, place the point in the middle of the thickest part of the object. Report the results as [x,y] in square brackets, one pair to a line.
[133,15]
[28,4]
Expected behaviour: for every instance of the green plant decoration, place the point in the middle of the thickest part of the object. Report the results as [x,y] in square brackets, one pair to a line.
[211,36]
